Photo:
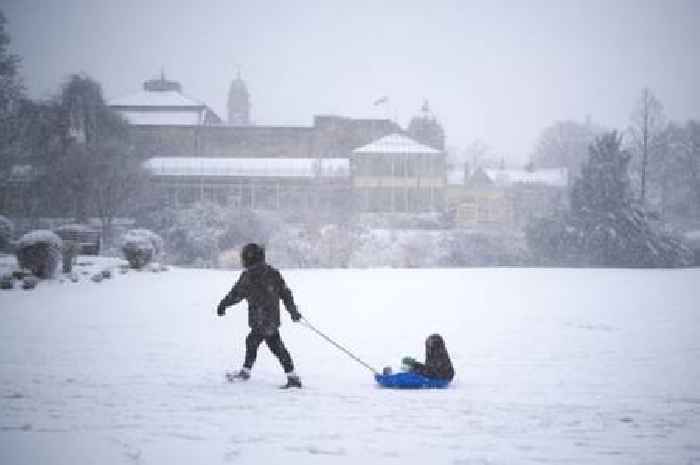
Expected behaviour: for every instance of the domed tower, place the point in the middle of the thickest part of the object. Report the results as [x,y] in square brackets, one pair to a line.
[426,129]
[238,103]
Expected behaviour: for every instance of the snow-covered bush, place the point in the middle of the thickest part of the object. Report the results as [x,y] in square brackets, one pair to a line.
[395,249]
[335,244]
[140,246]
[7,281]
[7,230]
[401,220]
[40,252]
[292,247]
[692,239]
[553,242]
[30,282]
[325,246]
[464,248]
[198,235]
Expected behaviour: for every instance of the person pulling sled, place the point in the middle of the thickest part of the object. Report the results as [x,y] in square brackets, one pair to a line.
[262,286]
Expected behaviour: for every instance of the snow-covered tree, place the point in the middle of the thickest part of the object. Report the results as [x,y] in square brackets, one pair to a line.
[11,91]
[605,226]
[97,165]
[680,172]
[198,235]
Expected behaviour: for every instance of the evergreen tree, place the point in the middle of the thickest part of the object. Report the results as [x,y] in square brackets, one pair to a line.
[11,91]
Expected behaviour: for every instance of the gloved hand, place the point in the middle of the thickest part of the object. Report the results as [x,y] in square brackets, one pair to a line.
[296,316]
[408,361]
[221,309]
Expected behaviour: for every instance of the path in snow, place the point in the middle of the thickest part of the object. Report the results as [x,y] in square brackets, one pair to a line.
[553,366]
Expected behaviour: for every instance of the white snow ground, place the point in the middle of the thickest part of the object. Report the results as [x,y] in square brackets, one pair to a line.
[553,366]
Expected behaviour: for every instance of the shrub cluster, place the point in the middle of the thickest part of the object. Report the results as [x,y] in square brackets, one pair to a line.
[40,252]
[7,230]
[141,246]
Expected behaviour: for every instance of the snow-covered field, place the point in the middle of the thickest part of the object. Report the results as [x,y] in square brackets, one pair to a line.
[553,366]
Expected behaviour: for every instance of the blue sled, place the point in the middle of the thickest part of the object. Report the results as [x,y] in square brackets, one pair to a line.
[408,380]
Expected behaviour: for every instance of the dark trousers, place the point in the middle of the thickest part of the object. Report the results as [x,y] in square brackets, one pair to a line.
[274,342]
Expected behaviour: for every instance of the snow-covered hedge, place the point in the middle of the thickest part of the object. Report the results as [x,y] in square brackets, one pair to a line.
[141,246]
[627,238]
[474,249]
[325,246]
[7,230]
[199,235]
[40,252]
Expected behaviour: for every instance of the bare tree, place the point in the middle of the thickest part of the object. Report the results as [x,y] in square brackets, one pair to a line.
[118,180]
[479,155]
[564,144]
[646,131]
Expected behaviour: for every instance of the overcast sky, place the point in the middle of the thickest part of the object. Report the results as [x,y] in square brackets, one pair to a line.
[495,71]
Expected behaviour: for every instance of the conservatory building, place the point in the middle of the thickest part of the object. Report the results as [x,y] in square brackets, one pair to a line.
[256,183]
[397,174]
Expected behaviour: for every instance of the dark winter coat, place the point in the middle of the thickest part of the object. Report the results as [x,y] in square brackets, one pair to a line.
[263,287]
[437,360]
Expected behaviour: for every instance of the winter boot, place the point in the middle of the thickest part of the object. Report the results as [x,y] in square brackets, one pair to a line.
[292,381]
[242,375]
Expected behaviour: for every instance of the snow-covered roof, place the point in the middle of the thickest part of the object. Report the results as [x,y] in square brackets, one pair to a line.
[163,117]
[161,98]
[249,167]
[396,144]
[555,177]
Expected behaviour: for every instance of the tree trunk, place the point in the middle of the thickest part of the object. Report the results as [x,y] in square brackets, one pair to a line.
[645,143]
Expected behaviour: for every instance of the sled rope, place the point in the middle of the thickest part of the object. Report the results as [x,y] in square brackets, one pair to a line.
[347,352]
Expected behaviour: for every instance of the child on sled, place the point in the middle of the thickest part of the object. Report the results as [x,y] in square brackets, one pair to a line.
[437,361]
